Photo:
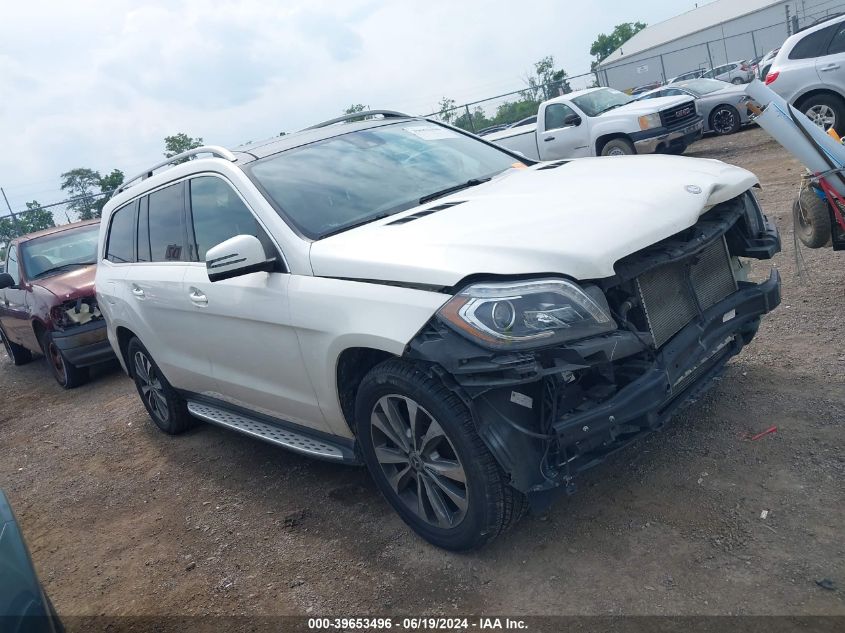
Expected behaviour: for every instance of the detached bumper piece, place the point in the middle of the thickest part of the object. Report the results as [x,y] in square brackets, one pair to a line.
[683,308]
[85,345]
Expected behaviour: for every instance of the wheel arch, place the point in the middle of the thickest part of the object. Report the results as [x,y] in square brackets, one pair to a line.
[124,335]
[815,92]
[604,139]
[353,363]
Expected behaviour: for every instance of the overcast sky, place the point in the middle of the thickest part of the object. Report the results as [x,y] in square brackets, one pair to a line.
[99,84]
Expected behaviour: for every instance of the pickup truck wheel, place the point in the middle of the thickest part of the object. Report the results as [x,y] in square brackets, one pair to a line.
[17,353]
[65,372]
[724,119]
[618,147]
[811,218]
[166,407]
[419,442]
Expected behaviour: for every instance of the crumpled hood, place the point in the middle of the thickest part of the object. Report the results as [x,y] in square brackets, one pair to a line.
[75,283]
[576,219]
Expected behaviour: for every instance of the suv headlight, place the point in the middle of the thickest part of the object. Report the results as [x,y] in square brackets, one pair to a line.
[528,313]
[649,121]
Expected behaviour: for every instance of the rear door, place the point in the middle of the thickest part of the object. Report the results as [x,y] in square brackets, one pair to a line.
[831,65]
[14,315]
[242,325]
[560,139]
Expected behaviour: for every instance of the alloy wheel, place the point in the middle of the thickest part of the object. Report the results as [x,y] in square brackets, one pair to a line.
[150,385]
[723,121]
[419,461]
[822,115]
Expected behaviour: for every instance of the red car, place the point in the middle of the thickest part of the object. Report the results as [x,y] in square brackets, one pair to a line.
[47,302]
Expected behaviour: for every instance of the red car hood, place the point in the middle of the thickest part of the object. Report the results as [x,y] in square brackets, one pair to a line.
[73,284]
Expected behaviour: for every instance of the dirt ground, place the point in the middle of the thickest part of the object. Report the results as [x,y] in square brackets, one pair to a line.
[124,520]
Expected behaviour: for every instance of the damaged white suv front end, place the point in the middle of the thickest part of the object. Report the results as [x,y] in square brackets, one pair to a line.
[474,328]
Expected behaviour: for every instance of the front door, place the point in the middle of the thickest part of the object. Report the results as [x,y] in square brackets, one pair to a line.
[560,139]
[243,324]
[14,313]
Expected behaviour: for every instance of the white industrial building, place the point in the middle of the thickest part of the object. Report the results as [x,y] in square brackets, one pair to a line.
[708,36]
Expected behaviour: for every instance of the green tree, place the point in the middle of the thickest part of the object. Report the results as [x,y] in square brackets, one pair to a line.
[474,122]
[81,185]
[108,184]
[35,218]
[546,82]
[606,44]
[447,112]
[355,108]
[179,143]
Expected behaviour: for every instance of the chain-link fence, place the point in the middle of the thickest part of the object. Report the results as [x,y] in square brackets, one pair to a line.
[37,218]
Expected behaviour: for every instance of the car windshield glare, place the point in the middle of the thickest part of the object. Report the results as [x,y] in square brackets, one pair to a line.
[701,87]
[596,102]
[71,247]
[347,180]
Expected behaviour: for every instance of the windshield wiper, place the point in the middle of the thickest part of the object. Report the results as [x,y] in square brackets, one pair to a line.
[472,182]
[609,108]
[62,267]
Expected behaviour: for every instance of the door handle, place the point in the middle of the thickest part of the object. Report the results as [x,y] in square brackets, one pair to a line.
[830,67]
[548,138]
[138,292]
[197,297]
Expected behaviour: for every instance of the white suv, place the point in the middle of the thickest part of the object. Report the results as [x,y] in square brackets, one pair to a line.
[474,327]
[809,72]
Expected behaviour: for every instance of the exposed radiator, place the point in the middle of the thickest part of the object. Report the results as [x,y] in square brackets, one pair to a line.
[671,294]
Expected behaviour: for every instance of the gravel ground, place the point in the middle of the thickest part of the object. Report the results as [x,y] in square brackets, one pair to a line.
[124,520]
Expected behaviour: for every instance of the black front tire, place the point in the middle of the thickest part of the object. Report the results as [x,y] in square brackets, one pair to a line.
[18,354]
[165,406]
[618,147]
[490,505]
[724,119]
[811,219]
[68,375]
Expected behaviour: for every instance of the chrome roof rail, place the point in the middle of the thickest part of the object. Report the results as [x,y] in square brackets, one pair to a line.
[387,114]
[214,150]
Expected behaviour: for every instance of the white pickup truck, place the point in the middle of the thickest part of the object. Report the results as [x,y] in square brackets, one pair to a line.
[604,122]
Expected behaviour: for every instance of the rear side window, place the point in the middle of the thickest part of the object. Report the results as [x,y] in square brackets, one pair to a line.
[166,224]
[121,240]
[837,44]
[12,264]
[814,44]
[219,213]
[144,231]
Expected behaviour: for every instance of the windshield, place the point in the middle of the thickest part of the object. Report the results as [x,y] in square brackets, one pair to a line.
[701,87]
[52,253]
[598,101]
[347,180]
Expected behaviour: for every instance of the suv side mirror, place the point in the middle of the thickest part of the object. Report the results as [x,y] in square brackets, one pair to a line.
[6,281]
[239,255]
[572,119]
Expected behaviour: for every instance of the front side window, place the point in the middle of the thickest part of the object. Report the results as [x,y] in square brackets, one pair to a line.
[331,185]
[701,87]
[60,251]
[556,114]
[166,224]
[598,101]
[218,213]
[12,264]
[121,235]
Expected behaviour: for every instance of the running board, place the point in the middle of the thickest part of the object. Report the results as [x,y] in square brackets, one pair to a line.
[299,441]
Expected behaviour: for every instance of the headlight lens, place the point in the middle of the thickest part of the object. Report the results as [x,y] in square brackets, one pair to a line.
[528,313]
[649,121]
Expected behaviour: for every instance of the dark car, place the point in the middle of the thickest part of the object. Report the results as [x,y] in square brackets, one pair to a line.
[47,302]
[24,607]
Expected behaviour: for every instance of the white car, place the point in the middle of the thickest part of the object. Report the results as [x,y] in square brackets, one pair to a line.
[474,327]
[809,72]
[733,72]
[604,122]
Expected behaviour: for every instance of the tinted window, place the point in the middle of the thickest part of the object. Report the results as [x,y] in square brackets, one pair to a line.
[12,264]
[218,214]
[837,44]
[121,242]
[144,231]
[813,44]
[555,115]
[167,234]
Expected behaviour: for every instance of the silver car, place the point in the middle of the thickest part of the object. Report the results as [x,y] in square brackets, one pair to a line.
[722,105]
[733,72]
[809,72]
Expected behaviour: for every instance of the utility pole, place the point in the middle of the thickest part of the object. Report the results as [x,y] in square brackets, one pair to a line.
[788,21]
[11,213]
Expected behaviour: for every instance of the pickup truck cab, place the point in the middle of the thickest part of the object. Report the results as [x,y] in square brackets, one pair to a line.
[604,122]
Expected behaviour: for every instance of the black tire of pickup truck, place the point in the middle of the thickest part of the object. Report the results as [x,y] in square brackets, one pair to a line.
[618,147]
[491,505]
